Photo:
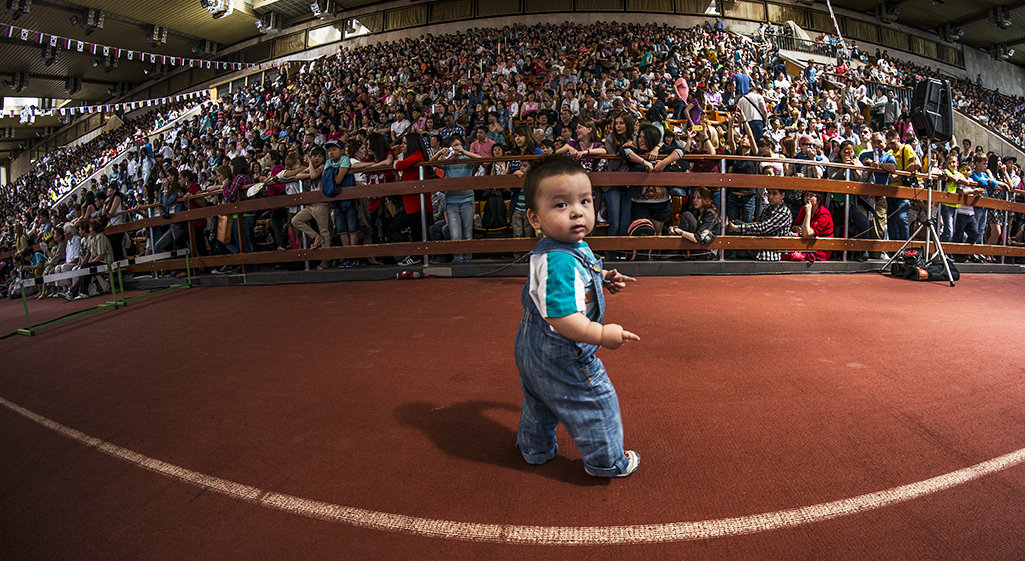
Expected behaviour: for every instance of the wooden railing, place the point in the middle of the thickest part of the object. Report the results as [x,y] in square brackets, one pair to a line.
[508,245]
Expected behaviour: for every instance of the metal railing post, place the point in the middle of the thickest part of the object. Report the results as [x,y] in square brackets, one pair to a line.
[846,213]
[1007,214]
[722,209]
[152,242]
[423,219]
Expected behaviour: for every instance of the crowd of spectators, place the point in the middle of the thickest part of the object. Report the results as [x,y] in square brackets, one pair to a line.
[647,94]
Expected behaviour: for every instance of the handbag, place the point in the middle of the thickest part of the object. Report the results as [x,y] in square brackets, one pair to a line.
[224,228]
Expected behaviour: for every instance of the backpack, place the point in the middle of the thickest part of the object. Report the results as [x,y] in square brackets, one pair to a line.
[640,227]
[909,263]
[330,189]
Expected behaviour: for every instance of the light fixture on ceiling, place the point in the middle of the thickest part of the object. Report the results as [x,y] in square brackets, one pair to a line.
[90,20]
[268,23]
[18,81]
[889,12]
[49,54]
[218,8]
[1001,52]
[73,85]
[18,8]
[205,48]
[1001,17]
[951,34]
[322,8]
[157,35]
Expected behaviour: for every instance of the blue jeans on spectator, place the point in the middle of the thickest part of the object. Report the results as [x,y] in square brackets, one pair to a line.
[757,129]
[617,211]
[460,226]
[740,207]
[947,216]
[248,223]
[964,229]
[980,223]
[897,218]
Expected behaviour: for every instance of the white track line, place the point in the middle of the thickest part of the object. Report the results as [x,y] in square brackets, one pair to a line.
[538,535]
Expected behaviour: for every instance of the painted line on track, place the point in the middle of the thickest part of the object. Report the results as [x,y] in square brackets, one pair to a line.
[537,535]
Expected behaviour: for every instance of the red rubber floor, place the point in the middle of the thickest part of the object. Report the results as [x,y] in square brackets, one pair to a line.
[400,400]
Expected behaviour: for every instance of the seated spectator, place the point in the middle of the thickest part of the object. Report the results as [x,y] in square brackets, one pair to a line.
[700,223]
[774,220]
[813,222]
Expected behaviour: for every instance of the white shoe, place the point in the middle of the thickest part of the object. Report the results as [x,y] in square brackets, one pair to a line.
[634,460]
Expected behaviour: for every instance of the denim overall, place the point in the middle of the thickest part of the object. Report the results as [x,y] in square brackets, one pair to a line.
[563,381]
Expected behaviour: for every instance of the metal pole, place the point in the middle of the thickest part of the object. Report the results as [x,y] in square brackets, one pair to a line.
[722,209]
[303,237]
[846,213]
[152,242]
[423,219]
[928,218]
[1007,214]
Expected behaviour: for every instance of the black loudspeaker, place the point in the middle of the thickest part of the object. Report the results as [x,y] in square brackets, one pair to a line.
[932,113]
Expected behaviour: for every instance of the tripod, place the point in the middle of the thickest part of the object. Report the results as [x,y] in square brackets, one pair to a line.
[930,233]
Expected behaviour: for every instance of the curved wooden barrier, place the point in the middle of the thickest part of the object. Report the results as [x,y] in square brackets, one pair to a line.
[507,245]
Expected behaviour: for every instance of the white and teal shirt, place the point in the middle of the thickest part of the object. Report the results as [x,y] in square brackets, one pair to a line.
[560,285]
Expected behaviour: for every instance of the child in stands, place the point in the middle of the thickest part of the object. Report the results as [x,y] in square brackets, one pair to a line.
[563,307]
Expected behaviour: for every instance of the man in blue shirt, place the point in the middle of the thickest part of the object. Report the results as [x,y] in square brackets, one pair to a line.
[743,81]
[881,165]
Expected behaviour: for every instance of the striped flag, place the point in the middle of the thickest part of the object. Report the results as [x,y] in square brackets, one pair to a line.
[9,32]
[92,48]
[39,38]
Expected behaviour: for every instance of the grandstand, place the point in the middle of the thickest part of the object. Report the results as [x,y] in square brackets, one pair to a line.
[256,152]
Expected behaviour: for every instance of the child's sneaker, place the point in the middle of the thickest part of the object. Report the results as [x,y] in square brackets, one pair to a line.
[634,460]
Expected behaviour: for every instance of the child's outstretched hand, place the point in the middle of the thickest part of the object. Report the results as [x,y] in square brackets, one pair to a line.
[617,281]
[613,336]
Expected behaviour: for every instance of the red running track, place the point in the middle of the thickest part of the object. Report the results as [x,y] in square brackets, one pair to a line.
[746,395]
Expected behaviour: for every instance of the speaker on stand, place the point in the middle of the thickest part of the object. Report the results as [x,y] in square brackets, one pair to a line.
[932,113]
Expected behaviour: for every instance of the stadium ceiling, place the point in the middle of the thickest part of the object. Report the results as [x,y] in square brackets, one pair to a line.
[982,28]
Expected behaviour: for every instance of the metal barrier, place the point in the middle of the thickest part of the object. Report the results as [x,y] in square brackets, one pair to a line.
[791,43]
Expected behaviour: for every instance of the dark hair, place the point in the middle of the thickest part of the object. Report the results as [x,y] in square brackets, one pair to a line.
[415,143]
[652,136]
[379,146]
[549,166]
[239,165]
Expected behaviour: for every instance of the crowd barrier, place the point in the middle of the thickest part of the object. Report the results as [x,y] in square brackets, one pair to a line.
[115,278]
[424,187]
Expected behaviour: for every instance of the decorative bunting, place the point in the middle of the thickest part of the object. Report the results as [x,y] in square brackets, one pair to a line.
[107,107]
[94,48]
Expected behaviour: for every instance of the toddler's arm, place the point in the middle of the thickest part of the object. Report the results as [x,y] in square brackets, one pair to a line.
[576,326]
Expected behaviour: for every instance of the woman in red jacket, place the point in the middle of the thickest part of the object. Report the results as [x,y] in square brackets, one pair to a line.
[413,152]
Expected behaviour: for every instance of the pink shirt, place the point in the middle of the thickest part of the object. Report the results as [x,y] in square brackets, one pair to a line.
[681,88]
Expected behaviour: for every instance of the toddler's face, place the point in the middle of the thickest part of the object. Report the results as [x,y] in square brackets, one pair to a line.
[565,208]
